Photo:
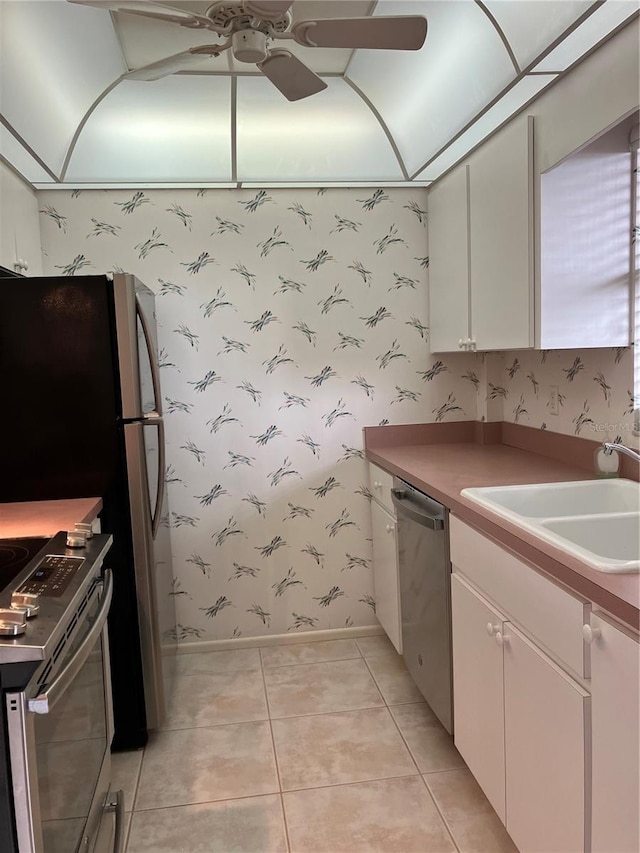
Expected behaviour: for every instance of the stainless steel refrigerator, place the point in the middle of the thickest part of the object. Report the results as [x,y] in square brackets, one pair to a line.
[82,417]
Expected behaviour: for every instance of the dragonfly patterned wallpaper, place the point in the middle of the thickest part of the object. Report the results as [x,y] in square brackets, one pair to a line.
[287,321]
[595,391]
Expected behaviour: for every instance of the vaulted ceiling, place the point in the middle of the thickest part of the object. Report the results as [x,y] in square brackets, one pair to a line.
[69,116]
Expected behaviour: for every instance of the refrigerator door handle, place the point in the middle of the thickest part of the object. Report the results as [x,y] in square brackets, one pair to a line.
[155,518]
[153,358]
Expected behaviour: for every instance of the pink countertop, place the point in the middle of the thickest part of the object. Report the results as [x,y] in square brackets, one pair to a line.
[443,470]
[45,518]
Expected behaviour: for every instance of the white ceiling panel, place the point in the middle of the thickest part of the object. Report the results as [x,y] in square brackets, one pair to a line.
[605,19]
[427,96]
[56,60]
[175,129]
[515,98]
[145,41]
[332,136]
[21,160]
[531,25]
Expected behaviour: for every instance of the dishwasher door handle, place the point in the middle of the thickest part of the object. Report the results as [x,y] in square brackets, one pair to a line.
[433,522]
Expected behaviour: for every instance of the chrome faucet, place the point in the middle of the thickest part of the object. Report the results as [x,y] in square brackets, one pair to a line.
[610,446]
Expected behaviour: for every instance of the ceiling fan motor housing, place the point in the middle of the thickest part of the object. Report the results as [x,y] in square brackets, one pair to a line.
[249,45]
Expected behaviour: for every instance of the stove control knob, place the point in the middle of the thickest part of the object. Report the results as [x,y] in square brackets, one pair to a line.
[76,539]
[81,527]
[12,622]
[27,601]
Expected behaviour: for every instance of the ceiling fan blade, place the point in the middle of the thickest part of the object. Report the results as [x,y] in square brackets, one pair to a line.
[291,76]
[270,10]
[387,33]
[150,10]
[178,62]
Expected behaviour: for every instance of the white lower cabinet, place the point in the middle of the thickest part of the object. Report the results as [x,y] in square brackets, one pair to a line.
[520,725]
[478,690]
[385,573]
[545,720]
[615,710]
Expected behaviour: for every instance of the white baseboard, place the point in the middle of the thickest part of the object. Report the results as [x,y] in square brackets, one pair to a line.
[279,639]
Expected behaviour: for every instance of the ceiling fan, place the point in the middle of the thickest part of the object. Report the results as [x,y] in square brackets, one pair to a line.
[250,26]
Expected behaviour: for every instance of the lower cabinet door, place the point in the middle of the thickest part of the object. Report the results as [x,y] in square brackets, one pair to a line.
[478,715]
[615,720]
[546,716]
[385,573]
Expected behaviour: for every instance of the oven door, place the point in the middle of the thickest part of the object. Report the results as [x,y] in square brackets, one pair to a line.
[60,730]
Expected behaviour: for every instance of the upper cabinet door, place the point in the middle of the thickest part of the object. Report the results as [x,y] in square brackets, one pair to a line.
[501,239]
[449,262]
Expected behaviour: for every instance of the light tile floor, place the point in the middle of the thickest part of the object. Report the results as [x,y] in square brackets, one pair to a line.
[312,748]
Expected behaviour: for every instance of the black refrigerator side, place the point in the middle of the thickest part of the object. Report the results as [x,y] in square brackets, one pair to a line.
[62,437]
[57,374]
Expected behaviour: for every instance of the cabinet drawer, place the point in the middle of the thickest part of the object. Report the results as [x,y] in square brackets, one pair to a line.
[549,614]
[380,483]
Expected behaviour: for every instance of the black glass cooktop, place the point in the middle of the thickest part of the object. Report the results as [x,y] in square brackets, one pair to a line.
[15,554]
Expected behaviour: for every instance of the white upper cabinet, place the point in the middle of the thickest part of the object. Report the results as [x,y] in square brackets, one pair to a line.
[501,239]
[19,225]
[481,247]
[449,261]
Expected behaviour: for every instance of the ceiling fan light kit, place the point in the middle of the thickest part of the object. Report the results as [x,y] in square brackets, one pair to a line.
[251,25]
[249,46]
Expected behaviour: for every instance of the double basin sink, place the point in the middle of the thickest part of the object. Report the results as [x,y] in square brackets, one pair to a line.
[597,521]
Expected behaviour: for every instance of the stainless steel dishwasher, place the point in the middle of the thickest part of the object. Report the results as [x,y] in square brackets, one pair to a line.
[425,595]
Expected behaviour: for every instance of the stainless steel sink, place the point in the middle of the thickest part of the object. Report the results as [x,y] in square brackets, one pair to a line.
[595,520]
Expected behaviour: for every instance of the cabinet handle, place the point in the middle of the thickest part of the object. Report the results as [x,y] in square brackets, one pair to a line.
[492,629]
[471,344]
[377,485]
[502,639]
[462,344]
[590,634]
[389,528]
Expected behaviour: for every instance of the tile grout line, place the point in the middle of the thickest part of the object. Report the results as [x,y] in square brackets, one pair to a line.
[133,801]
[379,689]
[424,781]
[208,802]
[413,758]
[311,662]
[440,812]
[275,753]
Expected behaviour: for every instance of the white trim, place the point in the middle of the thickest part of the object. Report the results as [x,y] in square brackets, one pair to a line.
[204,185]
[279,639]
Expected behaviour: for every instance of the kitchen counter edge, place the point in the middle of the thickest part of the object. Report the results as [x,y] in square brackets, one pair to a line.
[618,595]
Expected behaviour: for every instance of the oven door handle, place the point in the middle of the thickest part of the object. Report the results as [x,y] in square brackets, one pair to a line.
[116,805]
[43,703]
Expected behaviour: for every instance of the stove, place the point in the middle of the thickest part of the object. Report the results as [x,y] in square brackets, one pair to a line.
[55,693]
[42,582]
[15,554]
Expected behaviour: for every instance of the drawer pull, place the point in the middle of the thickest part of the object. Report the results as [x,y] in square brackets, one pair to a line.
[389,528]
[590,634]
[502,639]
[492,629]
